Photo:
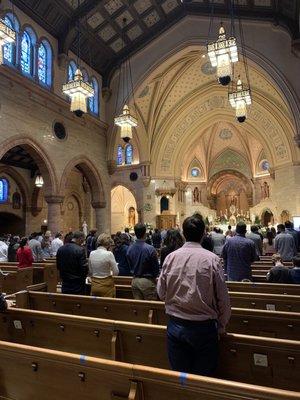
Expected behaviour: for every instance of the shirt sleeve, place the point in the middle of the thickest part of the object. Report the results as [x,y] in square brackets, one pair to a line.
[29,255]
[155,262]
[82,261]
[224,255]
[222,297]
[90,272]
[276,244]
[162,284]
[113,264]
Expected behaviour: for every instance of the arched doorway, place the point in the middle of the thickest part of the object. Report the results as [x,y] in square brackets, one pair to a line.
[285,216]
[267,217]
[11,223]
[164,205]
[123,209]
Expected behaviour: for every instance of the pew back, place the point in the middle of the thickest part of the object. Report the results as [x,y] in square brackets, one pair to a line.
[16,280]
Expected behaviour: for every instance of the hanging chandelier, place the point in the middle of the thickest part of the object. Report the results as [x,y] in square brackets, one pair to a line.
[7,36]
[126,121]
[78,91]
[240,99]
[222,54]
[39,181]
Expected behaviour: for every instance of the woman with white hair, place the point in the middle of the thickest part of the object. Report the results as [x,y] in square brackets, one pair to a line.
[102,268]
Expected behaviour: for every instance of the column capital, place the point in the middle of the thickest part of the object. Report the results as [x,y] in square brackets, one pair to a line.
[54,199]
[99,204]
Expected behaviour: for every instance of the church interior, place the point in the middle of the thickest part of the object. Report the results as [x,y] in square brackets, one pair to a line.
[115,112]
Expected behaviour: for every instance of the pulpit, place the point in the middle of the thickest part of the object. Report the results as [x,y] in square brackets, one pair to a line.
[165,221]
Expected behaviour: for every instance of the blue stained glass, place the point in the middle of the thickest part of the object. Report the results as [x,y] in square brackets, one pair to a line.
[26,54]
[128,154]
[8,49]
[71,71]
[195,172]
[42,64]
[120,155]
[93,101]
[265,166]
[3,190]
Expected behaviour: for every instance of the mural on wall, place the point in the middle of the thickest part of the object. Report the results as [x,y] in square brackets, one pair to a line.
[230,160]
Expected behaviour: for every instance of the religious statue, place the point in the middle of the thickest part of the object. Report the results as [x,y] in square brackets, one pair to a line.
[16,201]
[85,228]
[131,216]
[265,191]
[196,195]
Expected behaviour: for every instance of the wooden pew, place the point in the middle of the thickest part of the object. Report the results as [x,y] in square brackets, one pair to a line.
[94,306]
[249,359]
[279,324]
[42,272]
[49,374]
[276,288]
[16,280]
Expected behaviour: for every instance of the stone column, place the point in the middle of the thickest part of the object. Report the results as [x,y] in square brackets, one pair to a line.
[54,213]
[102,217]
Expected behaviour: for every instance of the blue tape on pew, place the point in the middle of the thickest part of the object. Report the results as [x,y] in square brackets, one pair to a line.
[82,359]
[182,378]
[95,297]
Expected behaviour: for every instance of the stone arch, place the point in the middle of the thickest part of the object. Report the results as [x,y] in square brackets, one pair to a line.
[39,155]
[4,169]
[124,211]
[91,174]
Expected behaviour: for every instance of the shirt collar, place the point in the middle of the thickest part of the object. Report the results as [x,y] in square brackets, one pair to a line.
[192,244]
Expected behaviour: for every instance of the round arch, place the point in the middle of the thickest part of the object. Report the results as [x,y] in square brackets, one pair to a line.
[123,209]
[91,174]
[4,169]
[39,155]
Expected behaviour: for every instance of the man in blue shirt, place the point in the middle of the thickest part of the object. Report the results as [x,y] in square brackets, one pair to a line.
[285,244]
[143,262]
[238,254]
[295,272]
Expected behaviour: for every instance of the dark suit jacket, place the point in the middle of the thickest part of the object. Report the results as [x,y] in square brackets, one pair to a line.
[72,263]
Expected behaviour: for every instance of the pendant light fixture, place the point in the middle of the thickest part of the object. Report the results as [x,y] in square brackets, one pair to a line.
[239,94]
[223,52]
[77,89]
[39,181]
[126,121]
[7,36]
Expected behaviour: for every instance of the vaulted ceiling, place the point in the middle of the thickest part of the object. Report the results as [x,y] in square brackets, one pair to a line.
[105,42]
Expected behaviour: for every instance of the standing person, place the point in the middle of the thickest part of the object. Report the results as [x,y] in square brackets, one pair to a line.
[238,254]
[24,254]
[56,244]
[3,250]
[218,240]
[285,244]
[278,273]
[91,241]
[102,268]
[12,249]
[173,241]
[120,253]
[193,287]
[46,245]
[289,227]
[126,231]
[229,232]
[143,262]
[268,244]
[295,271]
[156,239]
[207,242]
[36,247]
[72,265]
[256,239]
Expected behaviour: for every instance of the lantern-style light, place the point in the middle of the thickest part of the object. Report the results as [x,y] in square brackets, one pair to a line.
[126,122]
[7,36]
[39,181]
[222,54]
[78,90]
[239,100]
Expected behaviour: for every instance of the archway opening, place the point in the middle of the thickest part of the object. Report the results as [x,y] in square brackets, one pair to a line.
[11,223]
[123,209]
[267,218]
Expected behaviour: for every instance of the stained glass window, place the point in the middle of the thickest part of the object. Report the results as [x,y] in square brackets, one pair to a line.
[3,190]
[71,71]
[26,53]
[8,49]
[265,166]
[195,172]
[42,64]
[120,155]
[128,154]
[93,102]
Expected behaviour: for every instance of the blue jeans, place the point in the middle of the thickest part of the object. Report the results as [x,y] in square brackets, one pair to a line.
[193,346]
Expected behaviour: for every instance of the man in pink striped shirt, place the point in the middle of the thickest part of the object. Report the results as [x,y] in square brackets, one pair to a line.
[193,287]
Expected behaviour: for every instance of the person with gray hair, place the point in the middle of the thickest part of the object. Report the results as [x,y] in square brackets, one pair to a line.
[102,268]
[72,265]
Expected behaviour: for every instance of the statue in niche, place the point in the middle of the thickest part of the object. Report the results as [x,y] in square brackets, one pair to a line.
[196,195]
[131,216]
[16,201]
[265,191]
[85,228]
[233,201]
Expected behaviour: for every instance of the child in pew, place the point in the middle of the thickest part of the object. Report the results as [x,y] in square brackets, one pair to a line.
[279,273]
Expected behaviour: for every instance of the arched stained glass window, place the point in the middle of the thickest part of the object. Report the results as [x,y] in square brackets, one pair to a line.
[128,154]
[119,155]
[3,190]
[93,102]
[9,49]
[71,70]
[26,54]
[42,64]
